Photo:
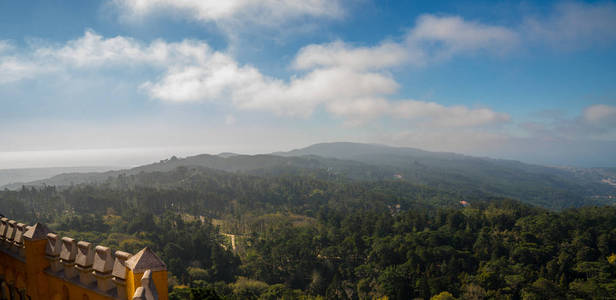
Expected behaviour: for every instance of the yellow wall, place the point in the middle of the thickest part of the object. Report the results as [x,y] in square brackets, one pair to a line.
[133,281]
[36,263]
[39,285]
[57,285]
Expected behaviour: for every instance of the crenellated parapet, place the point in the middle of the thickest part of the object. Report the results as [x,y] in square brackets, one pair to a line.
[12,237]
[38,264]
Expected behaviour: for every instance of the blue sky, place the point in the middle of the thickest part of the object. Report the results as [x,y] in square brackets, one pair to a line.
[123,82]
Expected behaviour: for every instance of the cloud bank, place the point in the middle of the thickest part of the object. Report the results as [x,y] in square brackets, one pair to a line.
[345,85]
[350,82]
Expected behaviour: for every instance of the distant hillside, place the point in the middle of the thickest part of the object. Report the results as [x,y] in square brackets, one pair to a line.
[17,176]
[554,188]
[540,185]
[358,151]
[248,164]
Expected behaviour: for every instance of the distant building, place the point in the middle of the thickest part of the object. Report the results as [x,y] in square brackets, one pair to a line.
[464,203]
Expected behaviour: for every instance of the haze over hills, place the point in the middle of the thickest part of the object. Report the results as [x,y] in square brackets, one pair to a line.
[545,186]
[17,176]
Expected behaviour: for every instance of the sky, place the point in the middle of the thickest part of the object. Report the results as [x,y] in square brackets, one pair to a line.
[126,82]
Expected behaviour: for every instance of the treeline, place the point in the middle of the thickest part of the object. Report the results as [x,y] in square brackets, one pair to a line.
[213,193]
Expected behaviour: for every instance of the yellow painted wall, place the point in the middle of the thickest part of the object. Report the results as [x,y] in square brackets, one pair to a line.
[133,281]
[56,289]
[42,286]
[36,263]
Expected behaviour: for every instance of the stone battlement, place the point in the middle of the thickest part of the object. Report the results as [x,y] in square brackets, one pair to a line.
[38,264]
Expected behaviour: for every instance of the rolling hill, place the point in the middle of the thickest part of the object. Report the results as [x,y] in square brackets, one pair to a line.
[551,187]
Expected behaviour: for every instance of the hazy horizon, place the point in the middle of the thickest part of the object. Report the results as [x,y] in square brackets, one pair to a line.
[132,157]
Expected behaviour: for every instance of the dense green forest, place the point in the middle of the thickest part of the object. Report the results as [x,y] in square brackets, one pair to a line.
[241,236]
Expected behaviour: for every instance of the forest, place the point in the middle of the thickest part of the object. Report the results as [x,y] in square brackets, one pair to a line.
[304,236]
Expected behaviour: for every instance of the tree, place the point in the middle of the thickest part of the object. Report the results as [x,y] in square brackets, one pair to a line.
[443,296]
[473,292]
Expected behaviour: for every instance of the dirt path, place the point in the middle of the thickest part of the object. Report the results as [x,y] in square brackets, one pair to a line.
[232,236]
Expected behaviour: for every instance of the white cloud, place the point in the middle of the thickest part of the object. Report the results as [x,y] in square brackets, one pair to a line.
[600,114]
[449,35]
[13,69]
[356,96]
[594,123]
[209,79]
[574,25]
[190,71]
[359,110]
[321,86]
[265,12]
[443,116]
[433,38]
[93,50]
[338,54]
[419,113]
[221,78]
[568,23]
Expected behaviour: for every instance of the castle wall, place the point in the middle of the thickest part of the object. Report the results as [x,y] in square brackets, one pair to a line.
[36,264]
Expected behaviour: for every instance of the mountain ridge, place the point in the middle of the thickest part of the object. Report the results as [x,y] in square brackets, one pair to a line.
[540,185]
